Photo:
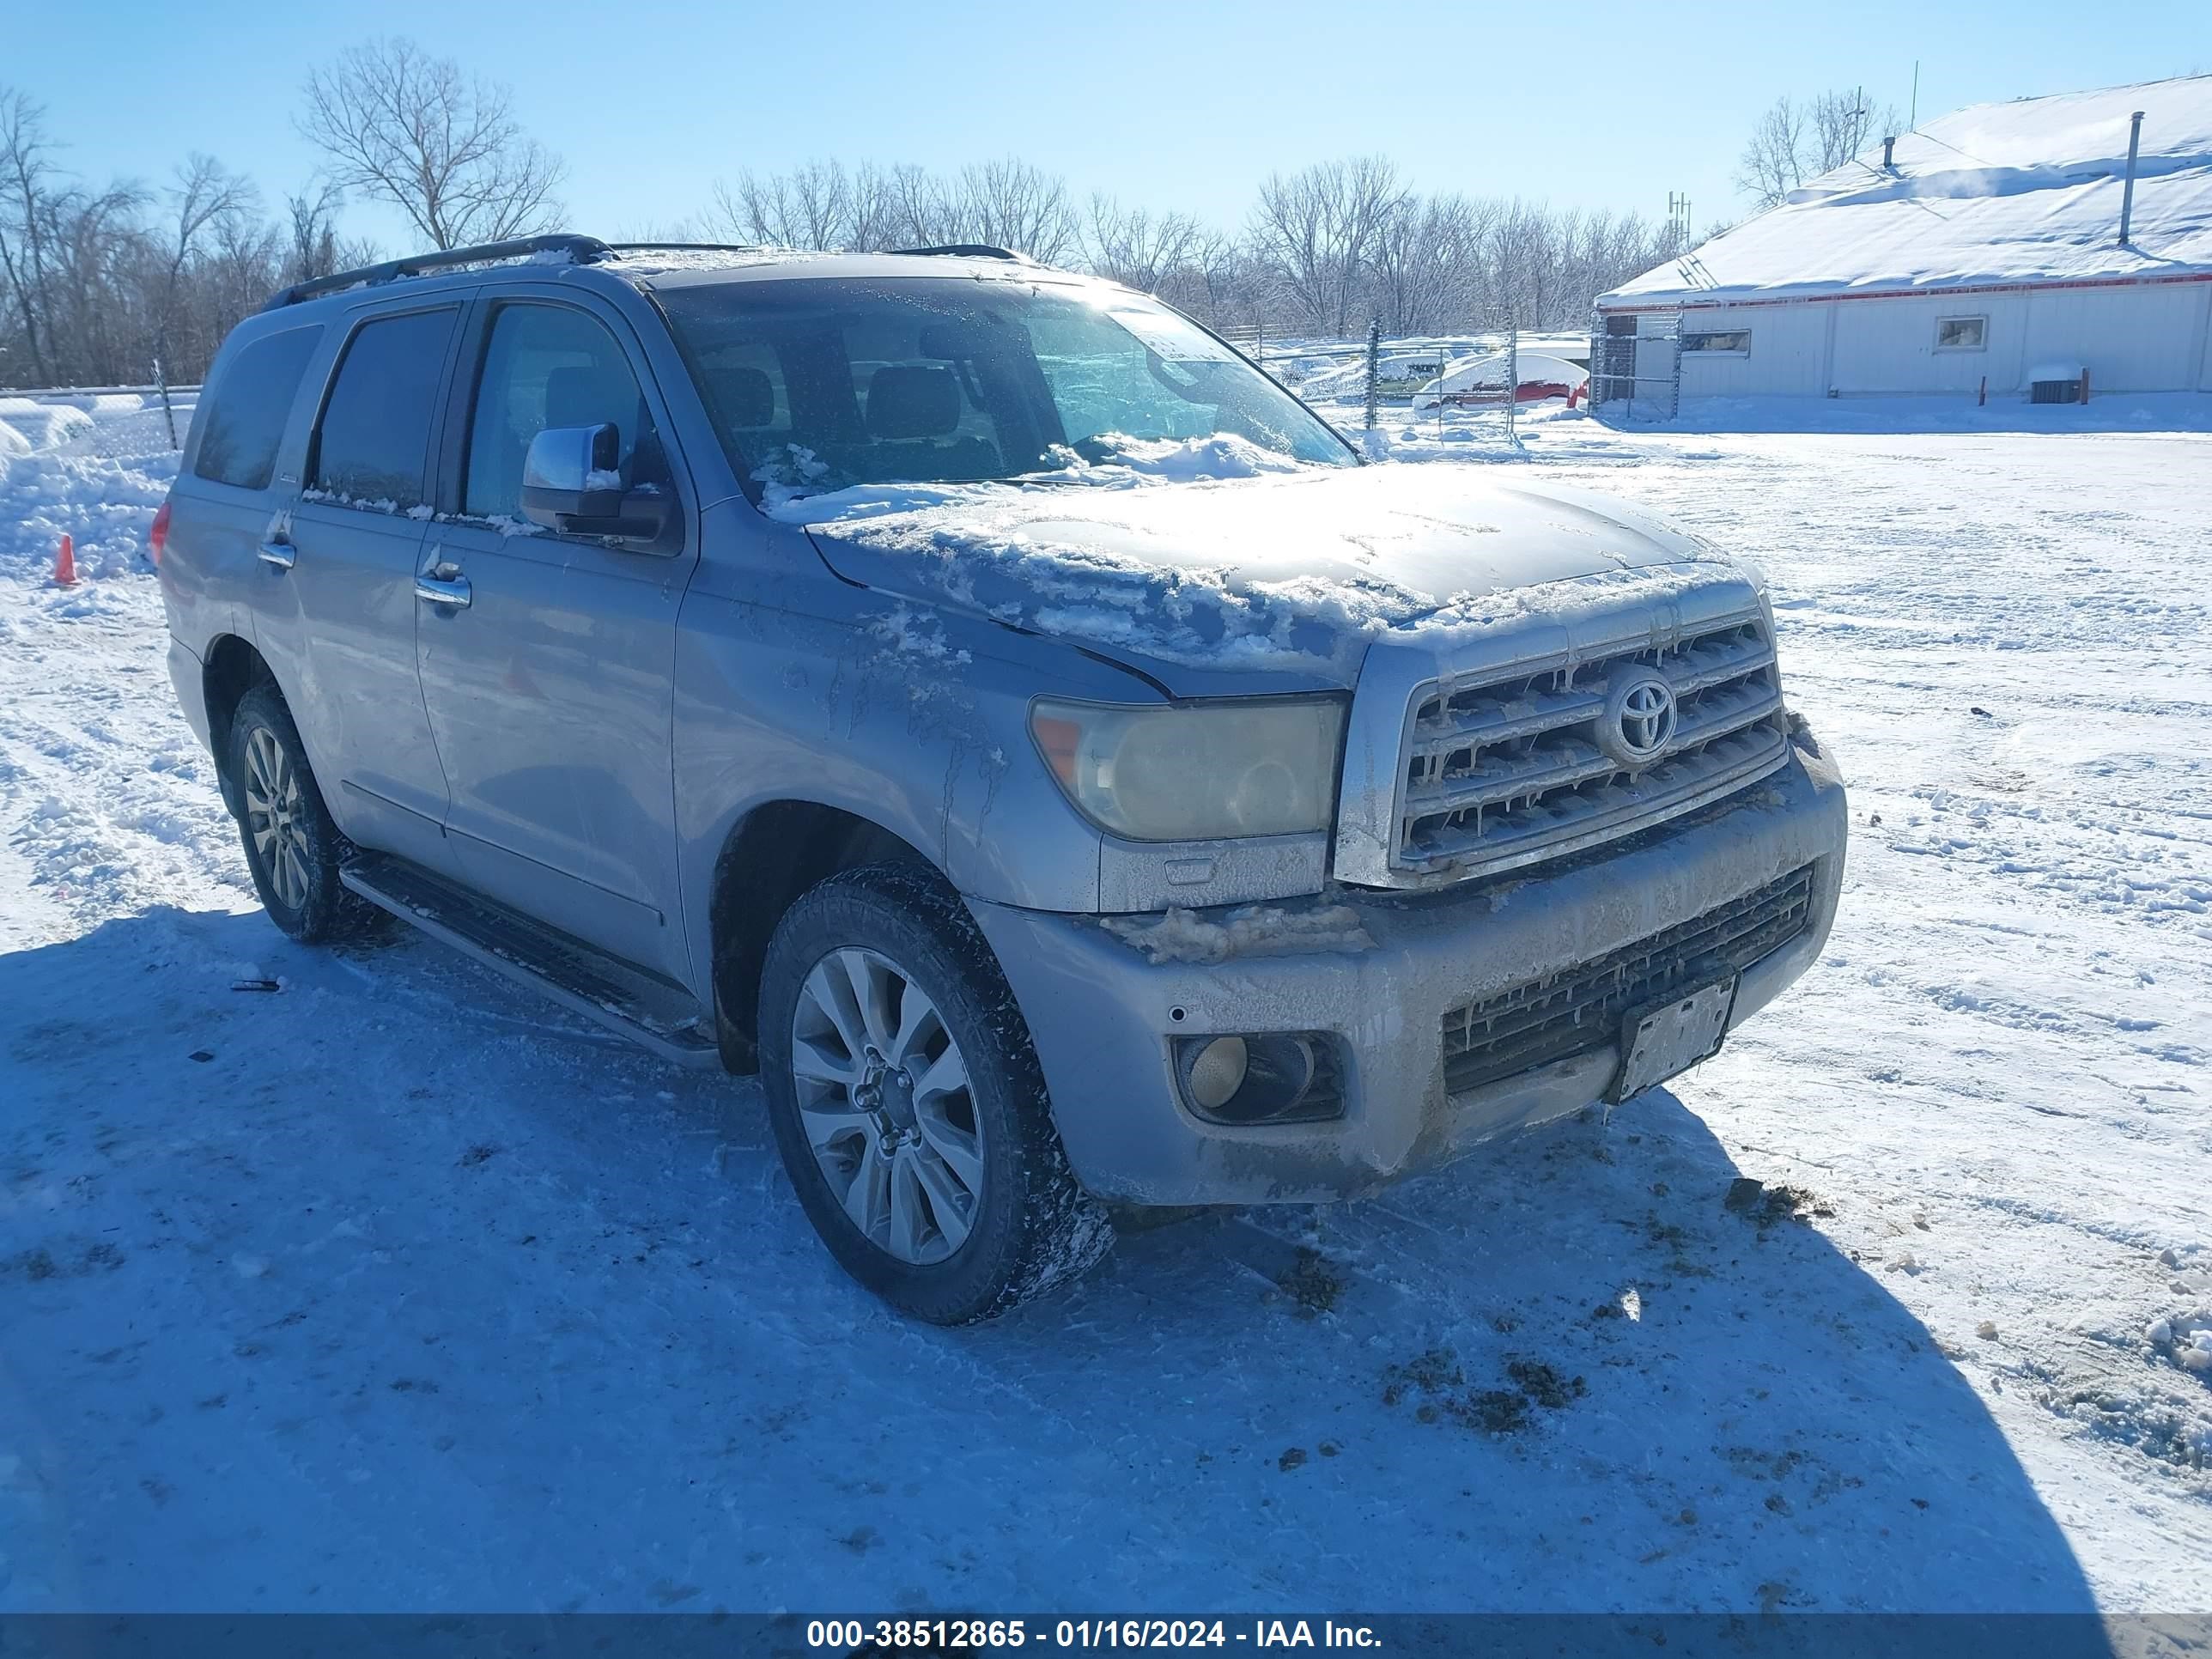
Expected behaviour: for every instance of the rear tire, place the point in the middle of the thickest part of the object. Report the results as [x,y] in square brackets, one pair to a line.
[292,846]
[907,1104]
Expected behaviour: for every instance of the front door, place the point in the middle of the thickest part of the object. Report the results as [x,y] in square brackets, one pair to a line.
[548,667]
[335,609]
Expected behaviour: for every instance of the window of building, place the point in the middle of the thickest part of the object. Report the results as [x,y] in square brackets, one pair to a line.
[247,408]
[373,445]
[1732,342]
[1961,333]
[550,366]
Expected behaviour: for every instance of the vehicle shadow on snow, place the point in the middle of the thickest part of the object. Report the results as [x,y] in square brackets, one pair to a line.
[425,1284]
[1591,1368]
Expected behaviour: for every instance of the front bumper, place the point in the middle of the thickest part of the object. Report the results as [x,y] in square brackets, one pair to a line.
[1099,1011]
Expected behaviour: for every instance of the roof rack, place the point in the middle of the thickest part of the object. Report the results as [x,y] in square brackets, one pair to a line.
[584,250]
[968,251]
[697,247]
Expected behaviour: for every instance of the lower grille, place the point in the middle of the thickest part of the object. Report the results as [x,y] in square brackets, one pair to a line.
[1579,1009]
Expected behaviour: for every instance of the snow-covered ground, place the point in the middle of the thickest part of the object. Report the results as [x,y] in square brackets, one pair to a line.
[397,1287]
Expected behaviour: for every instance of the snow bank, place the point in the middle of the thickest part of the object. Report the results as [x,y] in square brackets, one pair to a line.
[27,427]
[105,506]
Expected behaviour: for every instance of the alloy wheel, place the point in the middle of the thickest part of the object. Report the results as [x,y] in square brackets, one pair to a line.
[886,1105]
[275,817]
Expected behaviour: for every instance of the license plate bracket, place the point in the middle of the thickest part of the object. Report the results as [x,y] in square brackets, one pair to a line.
[1664,1041]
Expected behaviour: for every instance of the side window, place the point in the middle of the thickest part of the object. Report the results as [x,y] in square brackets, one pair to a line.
[247,407]
[549,366]
[373,443]
[1734,343]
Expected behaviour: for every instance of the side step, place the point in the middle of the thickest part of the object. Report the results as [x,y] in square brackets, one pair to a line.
[655,1012]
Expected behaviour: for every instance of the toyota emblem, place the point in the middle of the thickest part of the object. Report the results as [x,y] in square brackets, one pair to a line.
[1638,722]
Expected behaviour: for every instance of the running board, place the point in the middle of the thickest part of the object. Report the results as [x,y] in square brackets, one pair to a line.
[653,1012]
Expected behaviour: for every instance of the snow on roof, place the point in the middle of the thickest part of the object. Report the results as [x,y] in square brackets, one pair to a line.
[2025,191]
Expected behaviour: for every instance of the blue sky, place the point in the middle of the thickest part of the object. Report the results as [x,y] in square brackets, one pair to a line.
[1186,105]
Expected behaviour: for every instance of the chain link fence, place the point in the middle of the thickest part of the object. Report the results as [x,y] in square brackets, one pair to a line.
[1446,380]
[112,422]
[1636,364]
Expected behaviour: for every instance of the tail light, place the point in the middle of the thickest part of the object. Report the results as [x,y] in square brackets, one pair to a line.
[158,537]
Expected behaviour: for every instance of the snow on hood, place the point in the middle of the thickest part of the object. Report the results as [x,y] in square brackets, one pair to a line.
[1287,567]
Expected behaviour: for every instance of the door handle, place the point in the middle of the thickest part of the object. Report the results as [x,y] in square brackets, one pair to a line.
[280,554]
[452,590]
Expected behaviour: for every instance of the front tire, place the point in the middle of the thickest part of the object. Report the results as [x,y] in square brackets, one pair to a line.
[907,1104]
[292,846]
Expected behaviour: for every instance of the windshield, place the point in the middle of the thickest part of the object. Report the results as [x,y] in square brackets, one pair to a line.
[819,384]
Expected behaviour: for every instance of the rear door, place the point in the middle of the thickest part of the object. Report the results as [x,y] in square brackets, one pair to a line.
[550,686]
[337,618]
[228,494]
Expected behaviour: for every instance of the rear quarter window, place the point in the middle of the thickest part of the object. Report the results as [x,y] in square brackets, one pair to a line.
[373,443]
[247,405]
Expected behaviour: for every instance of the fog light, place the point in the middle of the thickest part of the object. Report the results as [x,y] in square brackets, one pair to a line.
[1217,1072]
[1275,1077]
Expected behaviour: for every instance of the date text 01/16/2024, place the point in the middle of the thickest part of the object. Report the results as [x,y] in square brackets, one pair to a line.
[845,1635]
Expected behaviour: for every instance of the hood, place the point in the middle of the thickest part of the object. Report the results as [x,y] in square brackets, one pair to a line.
[1299,571]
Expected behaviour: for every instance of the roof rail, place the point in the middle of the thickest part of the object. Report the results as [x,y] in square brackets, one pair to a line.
[585,250]
[697,247]
[968,251]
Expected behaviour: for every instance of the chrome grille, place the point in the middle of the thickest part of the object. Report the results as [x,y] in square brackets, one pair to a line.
[1581,1009]
[1504,770]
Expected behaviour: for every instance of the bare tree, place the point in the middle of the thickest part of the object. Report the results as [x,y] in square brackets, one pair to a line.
[25,176]
[1136,247]
[918,206]
[311,229]
[824,204]
[206,194]
[1427,266]
[442,146]
[1221,285]
[1773,162]
[1315,231]
[1843,124]
[98,257]
[1011,204]
[873,218]
[811,208]
[1796,141]
[94,281]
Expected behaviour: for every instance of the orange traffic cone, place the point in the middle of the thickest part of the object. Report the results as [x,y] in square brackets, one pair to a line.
[65,564]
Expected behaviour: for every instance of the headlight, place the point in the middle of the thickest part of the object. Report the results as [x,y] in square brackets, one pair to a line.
[1199,772]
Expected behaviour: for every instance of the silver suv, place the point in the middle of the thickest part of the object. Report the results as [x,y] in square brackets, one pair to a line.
[976,698]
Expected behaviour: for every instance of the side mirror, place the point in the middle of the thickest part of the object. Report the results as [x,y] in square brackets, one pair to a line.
[572,483]
[570,473]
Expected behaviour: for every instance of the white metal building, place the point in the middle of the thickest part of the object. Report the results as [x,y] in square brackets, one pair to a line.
[1987,248]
